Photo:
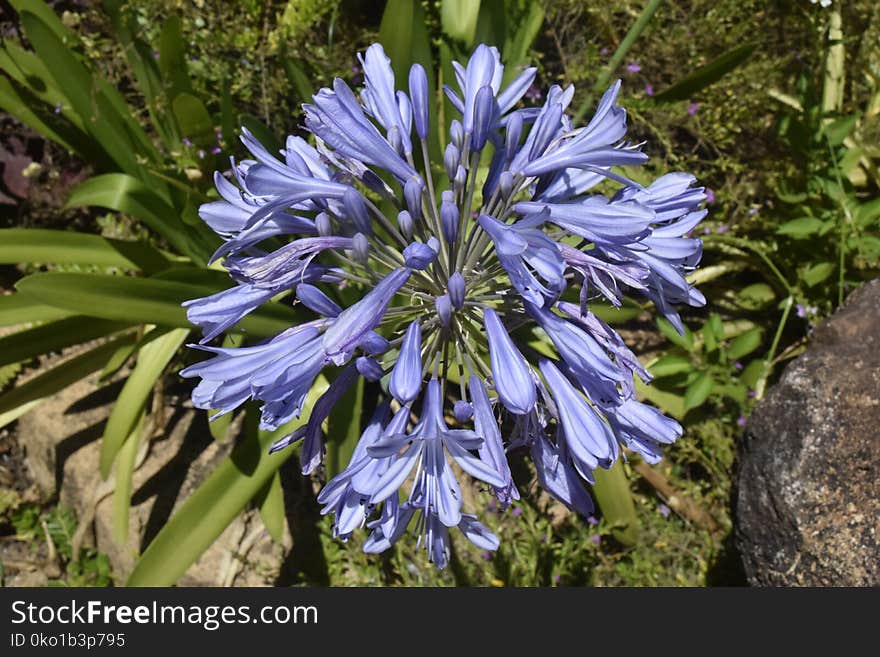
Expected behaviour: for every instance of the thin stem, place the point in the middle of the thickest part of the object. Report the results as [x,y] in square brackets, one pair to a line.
[602,81]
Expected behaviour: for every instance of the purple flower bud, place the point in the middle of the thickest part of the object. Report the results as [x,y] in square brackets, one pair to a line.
[462,411]
[447,196]
[460,176]
[316,301]
[517,512]
[369,368]
[418,92]
[418,255]
[444,309]
[596,539]
[449,221]
[741,421]
[510,371]
[361,248]
[693,108]
[434,243]
[456,133]
[412,192]
[484,107]
[505,181]
[451,159]
[406,377]
[457,289]
[374,344]
[186,141]
[322,223]
[356,210]
[649,89]
[633,67]
[664,510]
[405,221]
[514,131]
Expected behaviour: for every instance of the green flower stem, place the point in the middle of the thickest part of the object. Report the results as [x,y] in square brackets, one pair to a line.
[628,41]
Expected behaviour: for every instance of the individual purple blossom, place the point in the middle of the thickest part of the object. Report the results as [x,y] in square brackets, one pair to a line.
[469,307]
[649,89]
[693,108]
[633,67]
[664,510]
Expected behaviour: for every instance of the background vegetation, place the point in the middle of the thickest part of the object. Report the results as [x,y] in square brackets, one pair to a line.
[772,104]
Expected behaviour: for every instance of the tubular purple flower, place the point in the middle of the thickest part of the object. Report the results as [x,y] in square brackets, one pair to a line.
[313,443]
[492,449]
[356,321]
[406,377]
[418,92]
[316,301]
[512,376]
[380,97]
[589,440]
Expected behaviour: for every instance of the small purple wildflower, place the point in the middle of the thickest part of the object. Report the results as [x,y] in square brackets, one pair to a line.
[741,420]
[751,394]
[186,141]
[633,67]
[723,228]
[592,520]
[664,510]
[693,108]
[596,539]
[649,89]
[738,365]
[517,512]
[710,196]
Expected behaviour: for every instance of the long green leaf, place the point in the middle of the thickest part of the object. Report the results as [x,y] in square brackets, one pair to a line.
[152,360]
[615,501]
[172,58]
[706,75]
[458,18]
[270,502]
[76,82]
[21,309]
[124,193]
[19,245]
[221,497]
[46,14]
[121,503]
[56,378]
[140,300]
[21,103]
[54,336]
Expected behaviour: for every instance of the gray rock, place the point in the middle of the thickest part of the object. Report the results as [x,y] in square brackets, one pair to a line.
[808,494]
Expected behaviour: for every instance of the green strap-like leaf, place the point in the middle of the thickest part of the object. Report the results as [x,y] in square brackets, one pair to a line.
[141,300]
[121,503]
[19,245]
[152,360]
[270,502]
[22,398]
[614,499]
[221,497]
[54,336]
[124,193]
[22,309]
[706,75]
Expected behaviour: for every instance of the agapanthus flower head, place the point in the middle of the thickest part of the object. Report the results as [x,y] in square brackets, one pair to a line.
[458,274]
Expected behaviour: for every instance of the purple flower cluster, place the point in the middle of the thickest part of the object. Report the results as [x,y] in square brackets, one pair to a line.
[477,276]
